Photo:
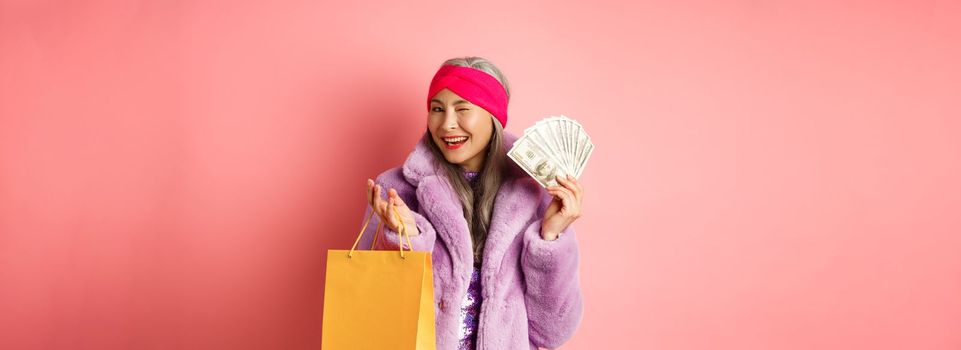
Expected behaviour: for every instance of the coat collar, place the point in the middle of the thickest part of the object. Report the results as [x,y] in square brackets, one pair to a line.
[515,205]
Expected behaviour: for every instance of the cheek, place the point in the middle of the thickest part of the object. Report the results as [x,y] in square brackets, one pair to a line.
[480,125]
[432,122]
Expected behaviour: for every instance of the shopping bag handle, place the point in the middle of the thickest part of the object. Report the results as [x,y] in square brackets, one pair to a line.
[380,225]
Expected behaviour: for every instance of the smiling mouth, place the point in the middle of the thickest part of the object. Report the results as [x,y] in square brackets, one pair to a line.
[455,142]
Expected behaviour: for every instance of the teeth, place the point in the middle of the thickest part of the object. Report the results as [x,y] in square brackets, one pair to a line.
[455,139]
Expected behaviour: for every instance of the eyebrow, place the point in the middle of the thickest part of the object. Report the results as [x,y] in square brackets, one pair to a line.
[455,102]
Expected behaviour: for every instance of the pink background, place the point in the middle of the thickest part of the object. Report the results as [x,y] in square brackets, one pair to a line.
[767,175]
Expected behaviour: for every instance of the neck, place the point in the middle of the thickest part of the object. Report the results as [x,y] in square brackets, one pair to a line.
[475,164]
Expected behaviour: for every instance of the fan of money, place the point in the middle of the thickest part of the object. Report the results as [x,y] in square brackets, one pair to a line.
[554,146]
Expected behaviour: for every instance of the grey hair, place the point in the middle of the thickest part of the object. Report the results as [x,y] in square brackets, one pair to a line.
[477,199]
[482,64]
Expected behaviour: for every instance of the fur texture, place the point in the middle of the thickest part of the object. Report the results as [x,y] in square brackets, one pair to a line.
[531,288]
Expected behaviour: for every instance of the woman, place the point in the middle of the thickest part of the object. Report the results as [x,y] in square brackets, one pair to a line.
[503,249]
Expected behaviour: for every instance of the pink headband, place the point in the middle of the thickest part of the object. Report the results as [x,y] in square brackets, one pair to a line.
[474,85]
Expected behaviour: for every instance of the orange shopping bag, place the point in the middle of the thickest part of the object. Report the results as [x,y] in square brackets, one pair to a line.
[378,299]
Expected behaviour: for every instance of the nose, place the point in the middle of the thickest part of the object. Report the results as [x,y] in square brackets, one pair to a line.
[450,119]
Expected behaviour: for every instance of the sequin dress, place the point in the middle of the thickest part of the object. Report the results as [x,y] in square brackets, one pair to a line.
[470,305]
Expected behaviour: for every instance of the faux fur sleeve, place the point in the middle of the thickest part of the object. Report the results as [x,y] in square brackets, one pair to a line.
[553,295]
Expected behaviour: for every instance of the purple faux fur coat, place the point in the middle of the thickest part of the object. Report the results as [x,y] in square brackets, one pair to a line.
[531,290]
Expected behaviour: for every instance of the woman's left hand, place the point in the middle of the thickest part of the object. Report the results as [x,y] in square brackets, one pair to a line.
[564,209]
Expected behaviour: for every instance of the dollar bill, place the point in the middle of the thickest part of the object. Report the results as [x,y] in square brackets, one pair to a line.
[554,146]
[534,160]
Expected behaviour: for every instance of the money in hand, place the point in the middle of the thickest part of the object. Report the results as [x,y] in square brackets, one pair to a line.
[554,146]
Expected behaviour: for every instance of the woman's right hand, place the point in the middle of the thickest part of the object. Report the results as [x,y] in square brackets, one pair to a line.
[383,209]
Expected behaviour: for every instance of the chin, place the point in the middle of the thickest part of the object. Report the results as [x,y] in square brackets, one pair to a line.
[455,161]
